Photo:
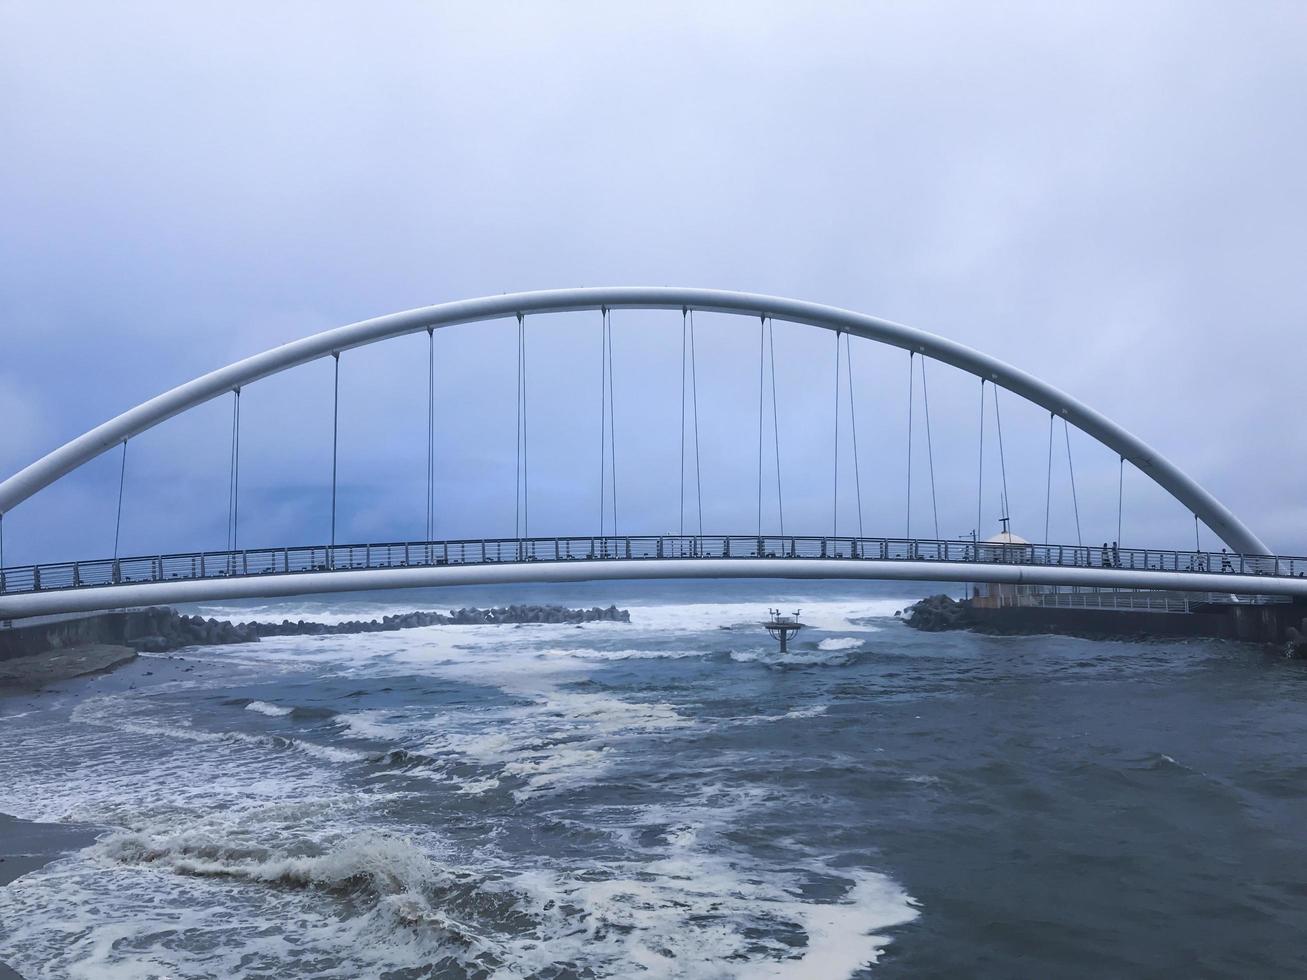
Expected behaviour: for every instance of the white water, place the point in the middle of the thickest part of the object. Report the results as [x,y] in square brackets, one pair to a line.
[217,827]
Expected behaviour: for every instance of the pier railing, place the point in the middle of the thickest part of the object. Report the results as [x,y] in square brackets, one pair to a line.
[477,551]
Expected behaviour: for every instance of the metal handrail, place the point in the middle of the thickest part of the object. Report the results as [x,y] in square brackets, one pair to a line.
[325,558]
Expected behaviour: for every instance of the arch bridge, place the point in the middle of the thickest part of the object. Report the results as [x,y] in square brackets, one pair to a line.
[1245,566]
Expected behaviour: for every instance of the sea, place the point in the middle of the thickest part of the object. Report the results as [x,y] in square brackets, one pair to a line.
[668,797]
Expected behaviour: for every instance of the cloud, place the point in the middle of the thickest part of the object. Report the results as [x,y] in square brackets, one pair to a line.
[1112,197]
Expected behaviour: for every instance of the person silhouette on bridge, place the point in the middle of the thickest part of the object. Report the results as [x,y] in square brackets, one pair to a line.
[1106,560]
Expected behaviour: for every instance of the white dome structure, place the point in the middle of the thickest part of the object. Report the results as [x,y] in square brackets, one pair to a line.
[1006,537]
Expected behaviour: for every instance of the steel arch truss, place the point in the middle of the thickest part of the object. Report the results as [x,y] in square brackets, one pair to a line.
[40,474]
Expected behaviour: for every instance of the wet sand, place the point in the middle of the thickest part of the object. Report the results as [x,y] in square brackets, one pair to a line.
[26,846]
[39,670]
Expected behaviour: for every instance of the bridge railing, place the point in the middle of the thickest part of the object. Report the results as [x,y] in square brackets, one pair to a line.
[477,551]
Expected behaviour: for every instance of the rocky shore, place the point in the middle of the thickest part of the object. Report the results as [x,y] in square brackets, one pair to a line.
[937,614]
[162,630]
[167,630]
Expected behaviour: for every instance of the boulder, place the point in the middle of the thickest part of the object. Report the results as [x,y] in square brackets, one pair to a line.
[937,614]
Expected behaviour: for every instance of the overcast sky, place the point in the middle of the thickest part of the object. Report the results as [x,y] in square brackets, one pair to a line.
[1111,196]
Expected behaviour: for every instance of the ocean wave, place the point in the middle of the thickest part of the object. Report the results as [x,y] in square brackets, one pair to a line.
[375,863]
[689,909]
[793,658]
[271,710]
[117,713]
[839,643]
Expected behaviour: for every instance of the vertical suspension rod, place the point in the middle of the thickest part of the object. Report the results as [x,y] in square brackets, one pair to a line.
[835,504]
[335,440]
[612,426]
[431,434]
[930,448]
[775,422]
[1120,497]
[603,415]
[1075,500]
[118,521]
[853,427]
[519,447]
[911,398]
[1002,461]
[234,474]
[681,499]
[980,478]
[1048,481]
[526,461]
[694,392]
[762,346]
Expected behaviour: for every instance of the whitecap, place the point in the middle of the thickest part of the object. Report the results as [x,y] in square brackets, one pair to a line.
[271,710]
[839,643]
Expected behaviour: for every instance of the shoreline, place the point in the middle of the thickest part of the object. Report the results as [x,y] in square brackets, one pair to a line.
[27,846]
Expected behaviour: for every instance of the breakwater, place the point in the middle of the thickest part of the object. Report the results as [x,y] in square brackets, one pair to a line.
[1282,624]
[160,630]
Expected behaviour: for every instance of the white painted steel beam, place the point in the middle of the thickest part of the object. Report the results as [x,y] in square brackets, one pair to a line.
[86,447]
[170,592]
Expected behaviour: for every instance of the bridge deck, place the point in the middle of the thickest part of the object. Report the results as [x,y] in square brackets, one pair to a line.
[251,562]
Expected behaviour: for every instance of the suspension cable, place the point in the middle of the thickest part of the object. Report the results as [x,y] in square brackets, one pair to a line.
[930,449]
[118,521]
[526,467]
[853,425]
[431,433]
[234,486]
[980,479]
[681,521]
[762,346]
[694,390]
[231,470]
[521,510]
[1048,481]
[612,425]
[775,422]
[1120,498]
[517,446]
[603,415]
[1198,543]
[835,506]
[1002,462]
[911,398]
[1075,501]
[335,440]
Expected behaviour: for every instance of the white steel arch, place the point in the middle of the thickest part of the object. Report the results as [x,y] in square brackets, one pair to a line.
[1162,471]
